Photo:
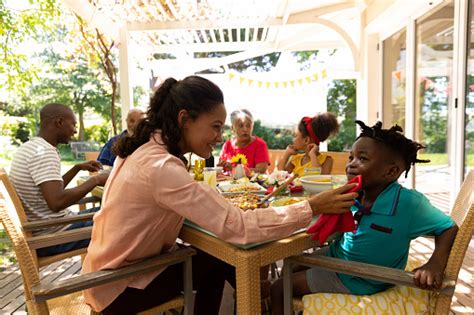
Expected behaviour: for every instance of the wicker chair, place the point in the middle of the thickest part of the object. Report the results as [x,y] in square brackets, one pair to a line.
[405,292]
[64,296]
[13,201]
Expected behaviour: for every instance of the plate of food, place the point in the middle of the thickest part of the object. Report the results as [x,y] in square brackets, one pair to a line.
[238,186]
[245,201]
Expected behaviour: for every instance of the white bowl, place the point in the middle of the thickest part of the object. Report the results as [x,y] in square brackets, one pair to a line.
[316,183]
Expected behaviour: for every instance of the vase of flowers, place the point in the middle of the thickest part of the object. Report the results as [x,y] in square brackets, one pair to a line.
[276,179]
[238,161]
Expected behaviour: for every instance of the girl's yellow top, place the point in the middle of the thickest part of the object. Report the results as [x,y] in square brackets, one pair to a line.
[299,169]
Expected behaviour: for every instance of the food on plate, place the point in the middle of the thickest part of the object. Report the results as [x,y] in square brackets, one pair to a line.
[243,188]
[245,201]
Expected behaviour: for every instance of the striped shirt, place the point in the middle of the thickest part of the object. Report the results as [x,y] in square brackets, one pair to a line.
[36,162]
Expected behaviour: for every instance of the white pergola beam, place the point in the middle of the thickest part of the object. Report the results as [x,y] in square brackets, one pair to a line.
[202,24]
[93,18]
[126,91]
[203,47]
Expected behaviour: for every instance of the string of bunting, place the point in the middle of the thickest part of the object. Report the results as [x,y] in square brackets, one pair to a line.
[300,81]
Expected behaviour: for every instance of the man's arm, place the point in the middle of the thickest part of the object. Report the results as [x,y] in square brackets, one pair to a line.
[59,198]
[91,166]
[431,274]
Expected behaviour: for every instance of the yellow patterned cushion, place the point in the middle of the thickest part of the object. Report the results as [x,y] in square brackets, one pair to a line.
[397,300]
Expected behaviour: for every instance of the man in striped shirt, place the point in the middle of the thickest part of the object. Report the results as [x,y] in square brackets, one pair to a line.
[36,175]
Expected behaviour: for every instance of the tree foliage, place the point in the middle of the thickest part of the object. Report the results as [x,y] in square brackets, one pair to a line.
[434,117]
[18,27]
[341,101]
[73,83]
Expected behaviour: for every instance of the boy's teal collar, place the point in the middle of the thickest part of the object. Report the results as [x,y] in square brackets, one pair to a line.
[387,201]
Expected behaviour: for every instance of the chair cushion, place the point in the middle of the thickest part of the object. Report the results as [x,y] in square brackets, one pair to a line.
[396,300]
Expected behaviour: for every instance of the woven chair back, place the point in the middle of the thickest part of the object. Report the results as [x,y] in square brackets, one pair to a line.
[463,214]
[28,266]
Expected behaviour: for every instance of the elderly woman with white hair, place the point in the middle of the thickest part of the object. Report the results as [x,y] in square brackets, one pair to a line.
[254,148]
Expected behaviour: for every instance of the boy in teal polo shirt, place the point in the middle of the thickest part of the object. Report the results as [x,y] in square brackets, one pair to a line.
[388,217]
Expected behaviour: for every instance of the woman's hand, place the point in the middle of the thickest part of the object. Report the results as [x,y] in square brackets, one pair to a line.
[226,165]
[333,201]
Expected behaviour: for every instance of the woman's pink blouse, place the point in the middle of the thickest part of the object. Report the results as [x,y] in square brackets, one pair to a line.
[145,201]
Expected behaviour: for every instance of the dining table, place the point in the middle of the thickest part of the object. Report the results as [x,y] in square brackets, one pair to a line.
[246,258]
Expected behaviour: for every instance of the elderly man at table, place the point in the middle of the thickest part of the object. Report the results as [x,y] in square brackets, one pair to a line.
[106,156]
[36,175]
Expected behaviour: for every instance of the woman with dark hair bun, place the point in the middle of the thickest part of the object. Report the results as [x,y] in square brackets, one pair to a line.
[149,193]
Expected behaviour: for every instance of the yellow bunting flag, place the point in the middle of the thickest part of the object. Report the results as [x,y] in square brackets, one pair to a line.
[308,78]
[324,74]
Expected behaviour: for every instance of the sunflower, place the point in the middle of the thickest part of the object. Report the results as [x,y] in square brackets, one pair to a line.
[239,159]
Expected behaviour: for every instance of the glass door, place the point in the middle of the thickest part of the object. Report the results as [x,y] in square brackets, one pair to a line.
[394,80]
[469,114]
[433,99]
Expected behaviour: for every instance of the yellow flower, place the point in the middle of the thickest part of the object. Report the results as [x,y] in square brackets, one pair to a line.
[239,159]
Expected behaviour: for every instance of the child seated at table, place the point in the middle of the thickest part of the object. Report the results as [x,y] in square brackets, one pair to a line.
[388,216]
[309,133]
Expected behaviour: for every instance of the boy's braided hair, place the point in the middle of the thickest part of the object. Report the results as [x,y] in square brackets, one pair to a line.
[395,140]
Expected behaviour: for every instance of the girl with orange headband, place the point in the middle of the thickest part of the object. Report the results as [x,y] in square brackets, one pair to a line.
[311,131]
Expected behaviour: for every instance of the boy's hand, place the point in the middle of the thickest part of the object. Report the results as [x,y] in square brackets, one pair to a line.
[429,275]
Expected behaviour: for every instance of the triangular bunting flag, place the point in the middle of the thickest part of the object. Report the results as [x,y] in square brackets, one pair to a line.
[260,83]
[308,79]
[276,84]
[292,82]
[242,79]
[300,81]
[285,84]
[324,73]
[231,76]
[315,76]
[250,81]
[267,84]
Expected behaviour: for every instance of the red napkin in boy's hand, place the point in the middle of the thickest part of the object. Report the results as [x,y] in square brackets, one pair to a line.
[327,224]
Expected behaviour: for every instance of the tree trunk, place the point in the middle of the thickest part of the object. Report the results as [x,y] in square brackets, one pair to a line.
[112,111]
[82,132]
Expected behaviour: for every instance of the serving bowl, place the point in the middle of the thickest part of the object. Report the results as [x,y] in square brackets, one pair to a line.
[314,184]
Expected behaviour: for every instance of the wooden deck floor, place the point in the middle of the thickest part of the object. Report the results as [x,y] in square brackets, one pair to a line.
[11,289]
